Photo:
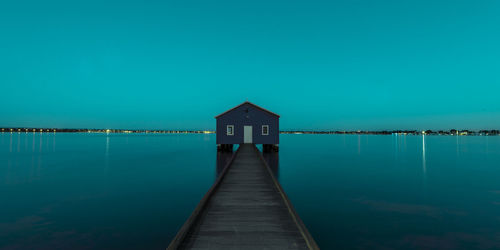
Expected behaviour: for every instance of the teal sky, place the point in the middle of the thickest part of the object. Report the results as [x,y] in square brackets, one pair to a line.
[319,64]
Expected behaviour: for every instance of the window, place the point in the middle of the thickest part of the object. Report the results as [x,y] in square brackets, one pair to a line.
[265,129]
[230,129]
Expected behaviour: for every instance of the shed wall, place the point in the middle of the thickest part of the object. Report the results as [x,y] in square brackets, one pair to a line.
[255,118]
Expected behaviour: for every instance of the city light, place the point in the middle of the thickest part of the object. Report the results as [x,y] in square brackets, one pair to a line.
[453,132]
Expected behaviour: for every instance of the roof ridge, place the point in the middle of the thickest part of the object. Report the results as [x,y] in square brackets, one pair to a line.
[247,102]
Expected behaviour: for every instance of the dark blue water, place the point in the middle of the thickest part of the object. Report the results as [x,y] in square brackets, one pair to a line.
[98,191]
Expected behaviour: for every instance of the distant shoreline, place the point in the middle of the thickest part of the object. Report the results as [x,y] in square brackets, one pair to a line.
[359,132]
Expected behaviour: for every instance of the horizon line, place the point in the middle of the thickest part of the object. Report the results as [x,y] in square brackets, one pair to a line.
[114,130]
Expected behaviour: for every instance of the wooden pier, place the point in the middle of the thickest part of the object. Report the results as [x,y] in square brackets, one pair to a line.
[246,208]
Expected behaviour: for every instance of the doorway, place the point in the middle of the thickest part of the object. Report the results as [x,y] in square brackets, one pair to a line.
[247,134]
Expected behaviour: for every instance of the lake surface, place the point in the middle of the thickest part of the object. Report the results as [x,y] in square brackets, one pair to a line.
[98,191]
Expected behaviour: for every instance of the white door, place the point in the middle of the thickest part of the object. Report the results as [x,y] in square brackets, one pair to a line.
[247,134]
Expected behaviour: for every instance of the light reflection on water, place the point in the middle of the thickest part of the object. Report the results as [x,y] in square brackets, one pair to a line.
[395,192]
[424,168]
[352,191]
[99,191]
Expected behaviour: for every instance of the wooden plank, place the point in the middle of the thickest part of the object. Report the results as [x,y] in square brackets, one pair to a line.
[175,243]
[245,209]
[311,243]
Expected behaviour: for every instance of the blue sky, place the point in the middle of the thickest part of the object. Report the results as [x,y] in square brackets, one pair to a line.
[319,64]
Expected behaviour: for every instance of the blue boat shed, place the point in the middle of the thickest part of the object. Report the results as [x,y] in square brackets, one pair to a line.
[247,123]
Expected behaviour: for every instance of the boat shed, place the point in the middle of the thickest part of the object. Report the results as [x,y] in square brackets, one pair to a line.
[247,123]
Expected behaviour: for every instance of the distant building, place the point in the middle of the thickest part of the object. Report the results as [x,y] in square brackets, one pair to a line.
[247,123]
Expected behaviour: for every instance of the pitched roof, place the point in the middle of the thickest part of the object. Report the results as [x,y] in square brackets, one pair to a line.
[247,102]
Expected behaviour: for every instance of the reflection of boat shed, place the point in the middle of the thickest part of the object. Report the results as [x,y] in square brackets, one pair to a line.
[247,123]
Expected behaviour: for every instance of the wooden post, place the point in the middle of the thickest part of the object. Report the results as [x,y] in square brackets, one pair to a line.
[225,147]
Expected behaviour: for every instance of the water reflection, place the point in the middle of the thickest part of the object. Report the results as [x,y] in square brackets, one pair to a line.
[41,141]
[18,142]
[33,144]
[396,145]
[26,142]
[424,167]
[359,144]
[106,155]
[462,192]
[271,158]
[39,187]
[107,147]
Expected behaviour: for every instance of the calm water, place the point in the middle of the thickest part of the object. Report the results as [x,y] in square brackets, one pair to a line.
[98,191]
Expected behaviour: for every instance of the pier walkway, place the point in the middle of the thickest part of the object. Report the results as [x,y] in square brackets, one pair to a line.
[246,208]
